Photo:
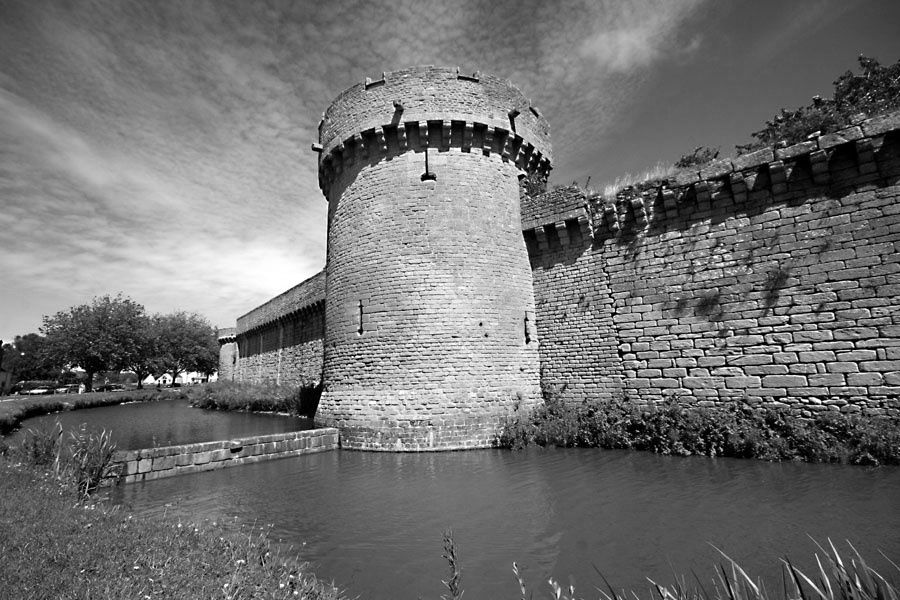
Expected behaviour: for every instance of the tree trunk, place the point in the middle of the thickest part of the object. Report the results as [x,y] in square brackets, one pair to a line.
[89,384]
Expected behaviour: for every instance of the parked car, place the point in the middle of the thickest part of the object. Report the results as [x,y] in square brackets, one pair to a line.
[34,388]
[72,388]
[110,387]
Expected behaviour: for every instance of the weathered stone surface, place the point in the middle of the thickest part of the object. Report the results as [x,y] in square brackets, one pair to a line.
[191,458]
[775,284]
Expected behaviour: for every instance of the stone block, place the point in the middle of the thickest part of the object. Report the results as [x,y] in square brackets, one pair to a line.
[784,381]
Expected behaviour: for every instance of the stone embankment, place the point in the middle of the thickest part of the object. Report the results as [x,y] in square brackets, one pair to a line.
[155,463]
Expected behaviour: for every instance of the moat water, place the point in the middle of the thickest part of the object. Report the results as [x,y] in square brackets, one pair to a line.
[372,522]
[166,423]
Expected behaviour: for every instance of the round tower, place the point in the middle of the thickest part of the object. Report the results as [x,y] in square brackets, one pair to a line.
[228,354]
[429,321]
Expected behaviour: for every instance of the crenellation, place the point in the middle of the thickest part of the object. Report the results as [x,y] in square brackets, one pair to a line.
[770,279]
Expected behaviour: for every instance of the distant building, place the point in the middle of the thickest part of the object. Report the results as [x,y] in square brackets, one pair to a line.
[184,378]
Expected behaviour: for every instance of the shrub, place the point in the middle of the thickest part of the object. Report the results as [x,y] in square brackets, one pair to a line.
[736,431]
[259,397]
[875,90]
[700,156]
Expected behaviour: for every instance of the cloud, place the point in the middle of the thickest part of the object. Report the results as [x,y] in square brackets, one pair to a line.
[162,149]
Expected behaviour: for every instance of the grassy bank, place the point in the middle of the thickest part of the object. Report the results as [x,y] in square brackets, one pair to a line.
[675,430]
[12,412]
[256,397]
[53,546]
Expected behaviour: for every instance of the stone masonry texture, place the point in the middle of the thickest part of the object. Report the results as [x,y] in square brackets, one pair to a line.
[167,461]
[428,285]
[769,279]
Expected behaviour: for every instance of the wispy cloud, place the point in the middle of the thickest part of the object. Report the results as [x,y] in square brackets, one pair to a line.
[162,148]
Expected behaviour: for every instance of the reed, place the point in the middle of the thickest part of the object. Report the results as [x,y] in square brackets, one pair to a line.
[838,577]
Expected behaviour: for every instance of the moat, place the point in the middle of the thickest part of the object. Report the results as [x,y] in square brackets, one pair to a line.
[373,521]
[168,423]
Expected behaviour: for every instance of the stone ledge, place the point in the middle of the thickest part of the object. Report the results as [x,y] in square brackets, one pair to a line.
[156,463]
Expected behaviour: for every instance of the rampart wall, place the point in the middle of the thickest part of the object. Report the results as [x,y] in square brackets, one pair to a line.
[771,278]
[281,340]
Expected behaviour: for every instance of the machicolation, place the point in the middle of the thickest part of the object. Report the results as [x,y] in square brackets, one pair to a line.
[450,297]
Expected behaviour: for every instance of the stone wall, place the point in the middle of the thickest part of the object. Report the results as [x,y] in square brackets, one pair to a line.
[155,463]
[429,309]
[772,278]
[281,340]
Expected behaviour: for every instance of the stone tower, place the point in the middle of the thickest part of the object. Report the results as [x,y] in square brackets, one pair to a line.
[429,320]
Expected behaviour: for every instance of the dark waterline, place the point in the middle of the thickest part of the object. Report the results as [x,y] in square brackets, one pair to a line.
[167,423]
[373,521]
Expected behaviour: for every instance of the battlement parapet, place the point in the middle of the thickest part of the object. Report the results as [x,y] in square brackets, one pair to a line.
[307,296]
[561,214]
[865,154]
[428,107]
[226,334]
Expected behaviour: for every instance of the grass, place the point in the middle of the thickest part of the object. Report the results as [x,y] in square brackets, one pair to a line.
[646,179]
[12,412]
[256,397]
[734,431]
[54,546]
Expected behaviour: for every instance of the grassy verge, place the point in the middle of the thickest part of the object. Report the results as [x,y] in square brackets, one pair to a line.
[12,412]
[263,397]
[54,546]
[676,430]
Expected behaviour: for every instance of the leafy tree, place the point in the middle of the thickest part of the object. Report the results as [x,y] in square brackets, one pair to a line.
[26,358]
[145,360]
[186,342]
[103,335]
[875,90]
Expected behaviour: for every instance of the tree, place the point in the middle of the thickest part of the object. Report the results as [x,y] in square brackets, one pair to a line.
[186,342]
[26,358]
[875,90]
[144,360]
[100,336]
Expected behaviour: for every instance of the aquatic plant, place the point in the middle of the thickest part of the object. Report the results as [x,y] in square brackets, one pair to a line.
[89,459]
[846,577]
[450,555]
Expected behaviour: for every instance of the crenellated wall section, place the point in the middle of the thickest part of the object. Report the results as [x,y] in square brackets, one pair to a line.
[771,278]
[429,304]
[280,341]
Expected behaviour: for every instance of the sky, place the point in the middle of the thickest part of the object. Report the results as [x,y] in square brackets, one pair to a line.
[161,149]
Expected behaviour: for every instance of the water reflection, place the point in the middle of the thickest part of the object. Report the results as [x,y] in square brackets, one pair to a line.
[373,521]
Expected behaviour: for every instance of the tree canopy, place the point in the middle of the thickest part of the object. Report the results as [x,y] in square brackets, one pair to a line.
[185,342]
[25,358]
[102,335]
[875,90]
